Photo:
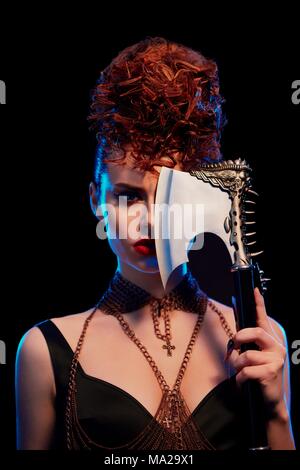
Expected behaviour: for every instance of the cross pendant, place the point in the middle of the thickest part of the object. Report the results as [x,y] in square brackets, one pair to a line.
[167,421]
[169,346]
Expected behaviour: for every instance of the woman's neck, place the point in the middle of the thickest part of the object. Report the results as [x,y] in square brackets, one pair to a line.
[151,282]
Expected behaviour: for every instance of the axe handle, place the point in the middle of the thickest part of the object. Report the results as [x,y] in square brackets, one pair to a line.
[252,398]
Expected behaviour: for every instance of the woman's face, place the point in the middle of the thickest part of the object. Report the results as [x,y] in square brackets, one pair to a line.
[128,196]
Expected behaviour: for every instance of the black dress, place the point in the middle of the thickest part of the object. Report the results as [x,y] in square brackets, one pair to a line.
[112,417]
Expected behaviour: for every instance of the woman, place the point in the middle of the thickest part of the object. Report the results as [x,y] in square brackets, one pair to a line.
[82,380]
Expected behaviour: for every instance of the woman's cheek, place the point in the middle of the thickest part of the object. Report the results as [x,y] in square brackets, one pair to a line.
[112,223]
[117,232]
[120,248]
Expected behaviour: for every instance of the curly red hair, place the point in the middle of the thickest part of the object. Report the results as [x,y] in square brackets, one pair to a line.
[160,98]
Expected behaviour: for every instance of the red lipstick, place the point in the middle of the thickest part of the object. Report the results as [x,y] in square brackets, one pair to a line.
[145,246]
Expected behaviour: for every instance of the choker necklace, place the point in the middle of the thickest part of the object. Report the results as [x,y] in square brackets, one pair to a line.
[123,296]
[173,426]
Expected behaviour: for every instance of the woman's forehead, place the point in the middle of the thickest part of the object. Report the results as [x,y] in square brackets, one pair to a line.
[129,173]
[126,173]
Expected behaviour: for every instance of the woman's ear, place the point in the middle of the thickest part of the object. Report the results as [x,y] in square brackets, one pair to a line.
[93,198]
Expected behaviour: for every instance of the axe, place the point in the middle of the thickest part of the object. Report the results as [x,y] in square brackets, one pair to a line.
[220,196]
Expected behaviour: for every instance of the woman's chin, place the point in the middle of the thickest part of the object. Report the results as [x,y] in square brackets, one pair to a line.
[148,264]
[148,267]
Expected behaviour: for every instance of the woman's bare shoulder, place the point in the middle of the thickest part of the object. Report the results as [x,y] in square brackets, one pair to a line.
[33,341]
[77,320]
[223,307]
[33,363]
[72,325]
[72,319]
[32,344]
[226,311]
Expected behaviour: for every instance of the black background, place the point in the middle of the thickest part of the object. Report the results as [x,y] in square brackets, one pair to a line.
[52,262]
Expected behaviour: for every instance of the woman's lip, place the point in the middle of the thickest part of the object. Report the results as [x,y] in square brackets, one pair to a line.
[144,249]
[146,242]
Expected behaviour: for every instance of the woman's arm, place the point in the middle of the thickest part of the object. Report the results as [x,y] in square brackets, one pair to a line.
[35,393]
[270,366]
[279,429]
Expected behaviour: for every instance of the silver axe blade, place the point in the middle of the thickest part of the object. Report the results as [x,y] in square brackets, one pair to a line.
[217,189]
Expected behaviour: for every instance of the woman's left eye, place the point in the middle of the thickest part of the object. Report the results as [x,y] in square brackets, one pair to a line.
[131,196]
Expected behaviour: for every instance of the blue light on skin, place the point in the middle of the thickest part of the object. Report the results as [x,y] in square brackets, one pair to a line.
[17,373]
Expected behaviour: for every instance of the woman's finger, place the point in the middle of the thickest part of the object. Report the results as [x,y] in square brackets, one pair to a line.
[262,318]
[255,335]
[253,358]
[263,373]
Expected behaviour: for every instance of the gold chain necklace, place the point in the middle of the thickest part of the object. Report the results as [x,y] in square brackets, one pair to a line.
[167,336]
[173,426]
[123,296]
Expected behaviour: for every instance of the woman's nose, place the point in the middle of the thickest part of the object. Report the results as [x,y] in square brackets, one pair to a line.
[151,219]
[147,221]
